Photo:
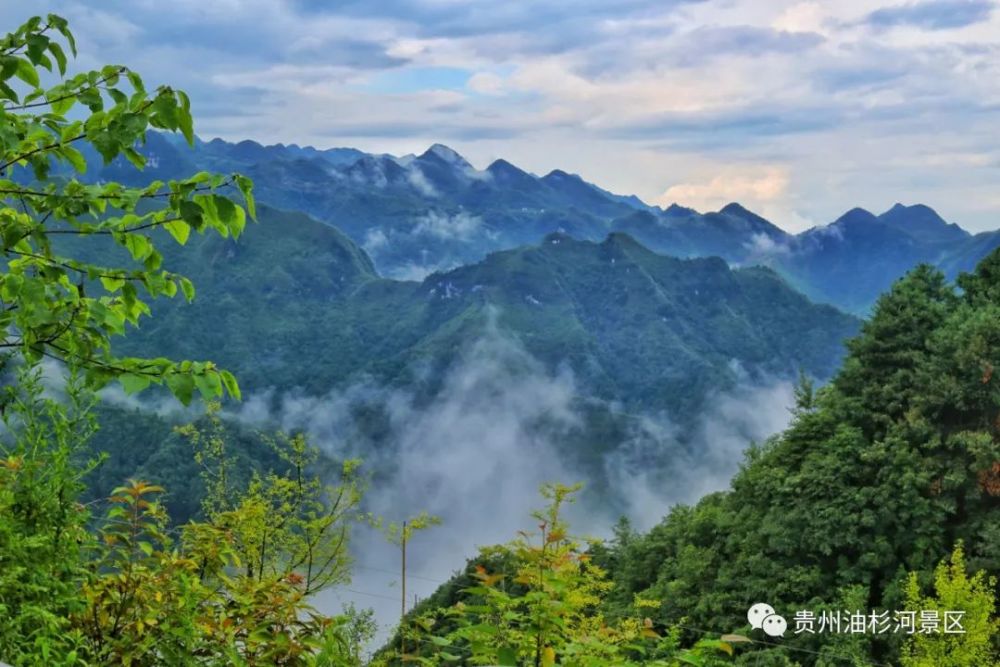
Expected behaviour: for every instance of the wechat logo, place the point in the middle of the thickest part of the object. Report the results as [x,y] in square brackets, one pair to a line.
[763,617]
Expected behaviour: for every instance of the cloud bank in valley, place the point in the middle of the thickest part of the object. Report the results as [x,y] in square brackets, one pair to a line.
[476,452]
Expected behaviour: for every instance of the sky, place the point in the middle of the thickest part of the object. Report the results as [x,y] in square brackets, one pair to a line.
[800,110]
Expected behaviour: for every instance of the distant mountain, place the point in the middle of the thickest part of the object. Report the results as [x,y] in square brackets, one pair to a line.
[847,263]
[923,224]
[635,327]
[414,215]
[295,309]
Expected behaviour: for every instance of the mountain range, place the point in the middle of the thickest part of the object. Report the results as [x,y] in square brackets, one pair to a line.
[296,309]
[417,214]
[634,326]
[388,274]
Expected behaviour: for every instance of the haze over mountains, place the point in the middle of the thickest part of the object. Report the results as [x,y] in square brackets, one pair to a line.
[403,273]
[417,214]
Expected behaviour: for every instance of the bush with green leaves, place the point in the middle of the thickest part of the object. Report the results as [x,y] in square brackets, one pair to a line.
[130,588]
[538,600]
[955,591]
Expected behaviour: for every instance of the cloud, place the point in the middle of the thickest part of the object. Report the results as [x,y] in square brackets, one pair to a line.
[375,240]
[630,93]
[418,180]
[747,41]
[802,17]
[475,449]
[761,245]
[486,83]
[933,14]
[754,185]
[459,226]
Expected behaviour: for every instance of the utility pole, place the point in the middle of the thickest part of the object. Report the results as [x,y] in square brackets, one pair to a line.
[402,608]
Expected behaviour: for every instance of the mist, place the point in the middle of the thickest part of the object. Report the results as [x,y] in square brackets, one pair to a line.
[477,451]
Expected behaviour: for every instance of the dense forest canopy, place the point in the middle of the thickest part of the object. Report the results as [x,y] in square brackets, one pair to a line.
[881,475]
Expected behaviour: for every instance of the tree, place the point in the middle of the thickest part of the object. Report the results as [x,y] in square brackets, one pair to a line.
[43,529]
[955,591]
[234,588]
[544,607]
[130,592]
[69,309]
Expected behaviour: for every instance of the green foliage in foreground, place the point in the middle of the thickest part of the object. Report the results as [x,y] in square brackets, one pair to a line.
[954,589]
[131,588]
[65,307]
[881,473]
[541,605]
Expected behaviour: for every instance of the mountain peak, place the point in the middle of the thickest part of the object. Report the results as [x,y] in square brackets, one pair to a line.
[501,166]
[445,154]
[734,208]
[922,222]
[560,175]
[675,210]
[922,211]
[856,215]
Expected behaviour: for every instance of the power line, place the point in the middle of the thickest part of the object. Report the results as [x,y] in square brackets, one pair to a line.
[409,575]
[372,595]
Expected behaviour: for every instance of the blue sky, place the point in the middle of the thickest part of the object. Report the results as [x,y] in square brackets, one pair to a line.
[798,109]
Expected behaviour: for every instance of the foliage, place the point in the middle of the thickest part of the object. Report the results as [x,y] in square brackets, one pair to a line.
[543,608]
[230,590]
[45,309]
[132,589]
[955,591]
[880,473]
[280,522]
[43,529]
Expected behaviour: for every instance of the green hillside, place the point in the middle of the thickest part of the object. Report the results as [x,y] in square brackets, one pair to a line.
[882,472]
[633,326]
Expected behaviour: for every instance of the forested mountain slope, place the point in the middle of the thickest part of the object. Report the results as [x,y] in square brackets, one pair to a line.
[633,326]
[882,472]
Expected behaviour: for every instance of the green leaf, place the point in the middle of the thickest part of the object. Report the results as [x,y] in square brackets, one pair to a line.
[245,186]
[134,383]
[138,245]
[112,284]
[229,381]
[209,384]
[136,81]
[179,229]
[507,657]
[181,385]
[8,92]
[59,55]
[75,158]
[26,72]
[192,214]
[184,120]
[63,104]
[187,287]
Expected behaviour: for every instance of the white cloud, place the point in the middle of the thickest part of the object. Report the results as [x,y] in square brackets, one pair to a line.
[631,95]
[486,83]
[749,185]
[460,226]
[802,17]
[419,181]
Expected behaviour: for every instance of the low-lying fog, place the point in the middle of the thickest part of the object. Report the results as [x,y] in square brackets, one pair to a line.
[476,455]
